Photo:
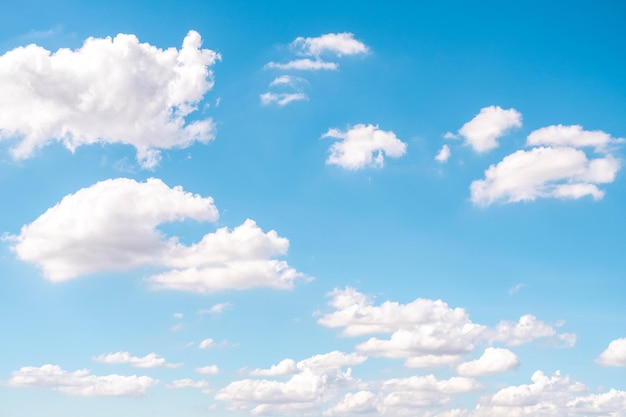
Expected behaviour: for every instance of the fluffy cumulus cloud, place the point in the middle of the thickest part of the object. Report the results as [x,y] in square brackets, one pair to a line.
[615,354]
[363,146]
[112,225]
[151,360]
[492,361]
[557,172]
[484,130]
[313,381]
[551,396]
[443,155]
[80,383]
[426,333]
[111,90]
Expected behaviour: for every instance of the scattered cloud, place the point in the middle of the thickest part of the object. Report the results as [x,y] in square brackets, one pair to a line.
[363,146]
[288,80]
[208,370]
[178,316]
[333,43]
[443,155]
[614,355]
[572,136]
[206,344]
[112,225]
[281,99]
[543,172]
[187,383]
[80,383]
[151,360]
[303,64]
[484,130]
[515,289]
[492,361]
[111,90]
[215,309]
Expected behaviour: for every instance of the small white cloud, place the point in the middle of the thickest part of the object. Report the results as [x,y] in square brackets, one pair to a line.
[215,309]
[69,240]
[334,43]
[111,90]
[206,344]
[492,361]
[80,383]
[187,383]
[614,355]
[288,80]
[450,135]
[304,64]
[544,172]
[484,130]
[444,154]
[515,289]
[151,360]
[363,146]
[208,370]
[527,329]
[281,99]
[178,315]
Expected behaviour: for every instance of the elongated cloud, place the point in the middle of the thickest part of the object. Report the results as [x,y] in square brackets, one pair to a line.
[111,90]
[112,225]
[544,172]
[304,64]
[572,136]
[492,361]
[335,43]
[426,333]
[363,146]
[80,383]
[281,99]
[151,360]
[484,130]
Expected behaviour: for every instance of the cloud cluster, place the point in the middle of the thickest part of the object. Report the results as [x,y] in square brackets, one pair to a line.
[427,333]
[80,383]
[151,360]
[614,354]
[112,226]
[363,146]
[313,381]
[111,90]
[310,51]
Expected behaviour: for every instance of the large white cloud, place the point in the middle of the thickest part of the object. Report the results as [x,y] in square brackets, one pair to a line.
[314,380]
[151,360]
[112,225]
[492,361]
[111,90]
[363,146]
[426,333]
[80,383]
[484,130]
[559,172]
[614,354]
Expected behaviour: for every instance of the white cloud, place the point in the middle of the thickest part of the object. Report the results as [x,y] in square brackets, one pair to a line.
[215,309]
[571,136]
[335,43]
[80,383]
[151,360]
[515,289]
[361,402]
[112,225]
[362,146]
[304,64]
[314,380]
[187,383]
[111,90]
[484,130]
[426,333]
[178,315]
[615,354]
[206,343]
[444,154]
[288,80]
[551,396]
[281,99]
[208,370]
[544,172]
[492,361]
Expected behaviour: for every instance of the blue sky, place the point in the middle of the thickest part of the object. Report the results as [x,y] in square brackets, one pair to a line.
[326,209]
